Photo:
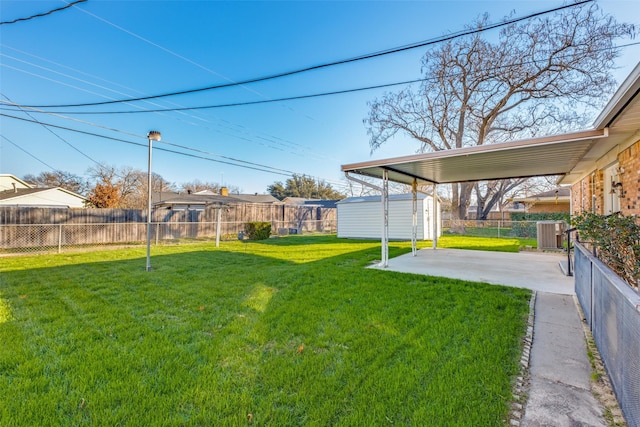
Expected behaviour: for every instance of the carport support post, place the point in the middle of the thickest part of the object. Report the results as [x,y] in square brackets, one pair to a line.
[414,225]
[385,219]
[434,215]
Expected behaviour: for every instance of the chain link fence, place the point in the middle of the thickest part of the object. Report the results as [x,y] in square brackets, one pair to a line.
[491,228]
[38,238]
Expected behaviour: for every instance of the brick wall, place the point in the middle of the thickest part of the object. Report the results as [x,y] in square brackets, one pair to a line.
[582,196]
[582,192]
[549,207]
[629,161]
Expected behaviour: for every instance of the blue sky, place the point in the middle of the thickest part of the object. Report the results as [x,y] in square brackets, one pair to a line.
[102,50]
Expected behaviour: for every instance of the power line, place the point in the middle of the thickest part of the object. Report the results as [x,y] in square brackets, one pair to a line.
[39,15]
[235,104]
[256,166]
[270,138]
[28,153]
[131,134]
[249,165]
[55,134]
[266,101]
[329,64]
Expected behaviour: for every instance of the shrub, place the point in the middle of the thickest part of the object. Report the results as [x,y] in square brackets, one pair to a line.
[257,230]
[524,223]
[617,241]
[524,229]
[539,216]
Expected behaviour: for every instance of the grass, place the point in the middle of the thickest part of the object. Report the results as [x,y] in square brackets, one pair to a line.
[511,244]
[486,238]
[289,331]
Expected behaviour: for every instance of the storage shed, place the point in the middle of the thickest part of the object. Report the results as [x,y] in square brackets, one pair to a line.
[361,217]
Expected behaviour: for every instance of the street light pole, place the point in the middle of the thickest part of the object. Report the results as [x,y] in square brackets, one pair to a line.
[152,136]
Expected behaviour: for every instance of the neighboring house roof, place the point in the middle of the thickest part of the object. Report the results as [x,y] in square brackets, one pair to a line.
[560,195]
[327,204]
[294,200]
[9,182]
[192,200]
[203,198]
[42,197]
[254,198]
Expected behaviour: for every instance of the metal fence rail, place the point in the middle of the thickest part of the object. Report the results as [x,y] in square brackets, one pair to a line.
[26,238]
[612,310]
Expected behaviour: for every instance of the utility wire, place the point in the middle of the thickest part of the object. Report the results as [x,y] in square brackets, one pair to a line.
[28,153]
[39,15]
[288,145]
[55,134]
[329,64]
[258,167]
[232,104]
[140,136]
[266,101]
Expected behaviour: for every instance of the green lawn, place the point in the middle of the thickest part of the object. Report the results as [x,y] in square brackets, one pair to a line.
[504,244]
[290,331]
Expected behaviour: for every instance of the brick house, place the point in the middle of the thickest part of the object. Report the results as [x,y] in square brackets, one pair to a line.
[552,201]
[607,180]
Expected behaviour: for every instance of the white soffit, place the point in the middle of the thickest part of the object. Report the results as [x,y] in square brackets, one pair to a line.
[554,155]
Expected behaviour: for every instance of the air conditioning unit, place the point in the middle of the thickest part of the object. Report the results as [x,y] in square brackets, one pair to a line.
[550,234]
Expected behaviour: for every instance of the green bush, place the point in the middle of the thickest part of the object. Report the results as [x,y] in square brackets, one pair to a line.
[525,224]
[617,239]
[524,229]
[540,216]
[257,230]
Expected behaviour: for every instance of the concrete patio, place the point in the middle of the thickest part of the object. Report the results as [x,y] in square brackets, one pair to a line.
[559,391]
[538,271]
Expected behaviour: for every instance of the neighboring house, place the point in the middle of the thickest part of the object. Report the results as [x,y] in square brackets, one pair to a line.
[607,180]
[11,182]
[323,203]
[191,202]
[199,200]
[361,217]
[255,198]
[294,200]
[15,192]
[553,201]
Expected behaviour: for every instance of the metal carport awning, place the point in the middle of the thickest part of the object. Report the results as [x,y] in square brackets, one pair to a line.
[553,155]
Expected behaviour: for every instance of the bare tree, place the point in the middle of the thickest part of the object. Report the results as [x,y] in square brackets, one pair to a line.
[58,178]
[535,78]
[129,184]
[197,185]
[355,189]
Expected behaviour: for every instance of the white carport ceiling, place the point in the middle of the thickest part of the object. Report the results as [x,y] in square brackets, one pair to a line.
[555,155]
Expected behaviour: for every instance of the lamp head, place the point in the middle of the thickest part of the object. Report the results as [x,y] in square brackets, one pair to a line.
[154,135]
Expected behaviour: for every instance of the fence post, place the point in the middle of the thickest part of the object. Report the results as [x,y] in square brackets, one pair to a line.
[218,219]
[60,238]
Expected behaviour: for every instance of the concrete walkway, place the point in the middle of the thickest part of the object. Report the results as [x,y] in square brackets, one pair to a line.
[560,372]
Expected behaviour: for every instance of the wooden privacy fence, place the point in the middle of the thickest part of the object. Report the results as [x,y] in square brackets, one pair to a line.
[32,228]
